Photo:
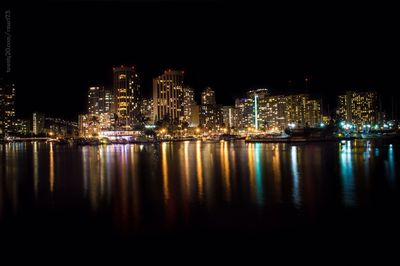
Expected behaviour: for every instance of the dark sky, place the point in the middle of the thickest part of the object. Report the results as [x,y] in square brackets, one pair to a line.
[60,49]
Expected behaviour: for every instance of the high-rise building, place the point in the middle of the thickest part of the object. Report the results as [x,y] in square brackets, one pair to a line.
[147,108]
[228,117]
[191,111]
[275,114]
[296,108]
[100,100]
[208,97]
[91,125]
[313,115]
[38,122]
[127,96]
[22,126]
[262,111]
[211,115]
[257,98]
[168,96]
[358,108]
[194,120]
[109,106]
[244,115]
[7,108]
[302,111]
[96,100]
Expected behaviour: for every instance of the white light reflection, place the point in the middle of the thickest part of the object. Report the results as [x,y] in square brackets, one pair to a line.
[295,174]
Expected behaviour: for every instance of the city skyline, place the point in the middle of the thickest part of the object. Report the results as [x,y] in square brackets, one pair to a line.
[228,47]
[215,124]
[173,110]
[390,97]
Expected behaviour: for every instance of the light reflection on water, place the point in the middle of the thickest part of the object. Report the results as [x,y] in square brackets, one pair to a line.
[174,184]
[296,177]
[347,173]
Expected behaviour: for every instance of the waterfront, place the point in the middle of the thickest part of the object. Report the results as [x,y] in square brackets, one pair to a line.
[193,188]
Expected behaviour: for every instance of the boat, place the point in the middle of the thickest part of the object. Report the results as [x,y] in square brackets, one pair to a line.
[185,138]
[63,141]
[211,139]
[294,135]
[268,138]
[229,137]
[119,141]
[143,140]
[380,134]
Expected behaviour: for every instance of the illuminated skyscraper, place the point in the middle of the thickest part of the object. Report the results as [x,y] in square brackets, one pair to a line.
[313,114]
[211,116]
[358,108]
[257,98]
[302,111]
[108,101]
[147,108]
[22,126]
[7,108]
[168,96]
[190,108]
[228,114]
[194,120]
[38,122]
[296,107]
[244,115]
[100,100]
[127,96]
[275,113]
[208,97]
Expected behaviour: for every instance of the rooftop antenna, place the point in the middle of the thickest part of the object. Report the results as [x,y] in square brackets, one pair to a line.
[306,80]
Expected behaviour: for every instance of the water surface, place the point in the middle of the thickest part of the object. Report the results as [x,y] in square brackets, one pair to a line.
[195,189]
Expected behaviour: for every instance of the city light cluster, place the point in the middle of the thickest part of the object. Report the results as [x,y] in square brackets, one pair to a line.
[122,112]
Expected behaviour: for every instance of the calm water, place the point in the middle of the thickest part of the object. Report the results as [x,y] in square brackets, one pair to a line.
[198,189]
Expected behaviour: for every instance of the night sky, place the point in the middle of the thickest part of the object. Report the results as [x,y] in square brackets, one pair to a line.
[60,49]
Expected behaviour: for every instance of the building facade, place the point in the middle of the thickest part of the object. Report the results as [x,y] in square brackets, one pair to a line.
[358,108]
[244,115]
[275,114]
[168,96]
[228,117]
[313,114]
[100,100]
[7,108]
[189,106]
[126,96]
[208,97]
[22,127]
[38,121]
[211,114]
[147,108]
[303,111]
